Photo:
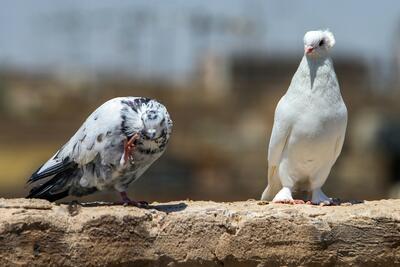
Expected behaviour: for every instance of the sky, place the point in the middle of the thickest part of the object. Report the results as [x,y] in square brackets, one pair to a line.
[367,28]
[156,37]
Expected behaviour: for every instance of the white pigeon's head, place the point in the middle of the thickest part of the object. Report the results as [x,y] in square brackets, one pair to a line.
[154,122]
[318,42]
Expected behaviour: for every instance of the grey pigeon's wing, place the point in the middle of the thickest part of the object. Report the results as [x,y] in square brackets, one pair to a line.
[101,130]
[279,136]
[53,166]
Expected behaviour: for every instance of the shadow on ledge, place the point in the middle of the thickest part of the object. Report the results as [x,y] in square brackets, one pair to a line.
[167,208]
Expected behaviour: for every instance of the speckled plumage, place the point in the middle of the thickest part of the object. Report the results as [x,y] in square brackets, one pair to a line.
[93,159]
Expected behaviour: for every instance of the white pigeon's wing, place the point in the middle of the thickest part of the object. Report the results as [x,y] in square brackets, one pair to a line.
[279,136]
[340,139]
[280,133]
[274,184]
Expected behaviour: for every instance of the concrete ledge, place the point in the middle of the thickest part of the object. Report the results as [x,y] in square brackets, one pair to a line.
[252,233]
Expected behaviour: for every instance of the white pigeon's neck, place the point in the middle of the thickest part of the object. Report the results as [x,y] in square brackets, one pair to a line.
[317,60]
[310,72]
[317,64]
[309,66]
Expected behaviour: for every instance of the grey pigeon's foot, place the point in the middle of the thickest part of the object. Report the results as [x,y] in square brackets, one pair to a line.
[126,201]
[139,204]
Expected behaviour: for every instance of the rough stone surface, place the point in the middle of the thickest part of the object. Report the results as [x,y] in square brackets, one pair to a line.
[251,233]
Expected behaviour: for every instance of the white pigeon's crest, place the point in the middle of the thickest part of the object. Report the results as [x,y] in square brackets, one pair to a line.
[312,38]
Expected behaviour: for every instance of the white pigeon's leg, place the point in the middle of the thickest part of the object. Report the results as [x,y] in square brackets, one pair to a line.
[318,197]
[285,196]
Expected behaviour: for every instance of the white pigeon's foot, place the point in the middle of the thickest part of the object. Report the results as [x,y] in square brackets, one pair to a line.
[284,196]
[319,198]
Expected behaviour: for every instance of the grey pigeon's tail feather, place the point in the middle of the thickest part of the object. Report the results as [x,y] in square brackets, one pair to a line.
[43,193]
[54,169]
[55,188]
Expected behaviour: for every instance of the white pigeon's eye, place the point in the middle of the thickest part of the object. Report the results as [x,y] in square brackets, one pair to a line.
[321,43]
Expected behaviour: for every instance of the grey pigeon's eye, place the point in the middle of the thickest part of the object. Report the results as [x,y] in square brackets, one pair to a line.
[321,43]
[152,116]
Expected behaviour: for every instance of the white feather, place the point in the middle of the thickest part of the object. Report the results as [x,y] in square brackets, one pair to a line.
[312,38]
[309,127]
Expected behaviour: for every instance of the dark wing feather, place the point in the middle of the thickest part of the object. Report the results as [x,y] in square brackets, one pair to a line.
[58,167]
[56,187]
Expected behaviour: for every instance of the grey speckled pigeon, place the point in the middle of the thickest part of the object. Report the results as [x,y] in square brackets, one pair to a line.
[113,148]
[309,126]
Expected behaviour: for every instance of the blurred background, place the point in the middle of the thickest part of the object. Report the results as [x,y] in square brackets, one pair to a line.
[219,66]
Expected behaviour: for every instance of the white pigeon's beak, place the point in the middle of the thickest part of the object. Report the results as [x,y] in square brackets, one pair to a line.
[308,49]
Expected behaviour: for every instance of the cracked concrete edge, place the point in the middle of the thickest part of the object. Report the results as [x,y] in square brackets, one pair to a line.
[199,233]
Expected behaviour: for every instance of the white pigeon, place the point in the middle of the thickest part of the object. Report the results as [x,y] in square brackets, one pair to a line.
[113,148]
[309,126]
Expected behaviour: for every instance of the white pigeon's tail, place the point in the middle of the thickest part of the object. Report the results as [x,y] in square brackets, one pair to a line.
[274,185]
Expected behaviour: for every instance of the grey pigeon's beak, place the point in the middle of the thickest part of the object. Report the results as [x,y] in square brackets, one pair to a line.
[308,49]
[151,133]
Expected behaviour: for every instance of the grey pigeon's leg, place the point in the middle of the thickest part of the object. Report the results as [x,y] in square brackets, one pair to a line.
[127,201]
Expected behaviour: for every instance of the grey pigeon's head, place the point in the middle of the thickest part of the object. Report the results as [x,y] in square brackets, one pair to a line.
[318,43]
[154,122]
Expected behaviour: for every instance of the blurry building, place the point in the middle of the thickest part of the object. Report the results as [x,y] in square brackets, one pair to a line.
[214,75]
[138,39]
